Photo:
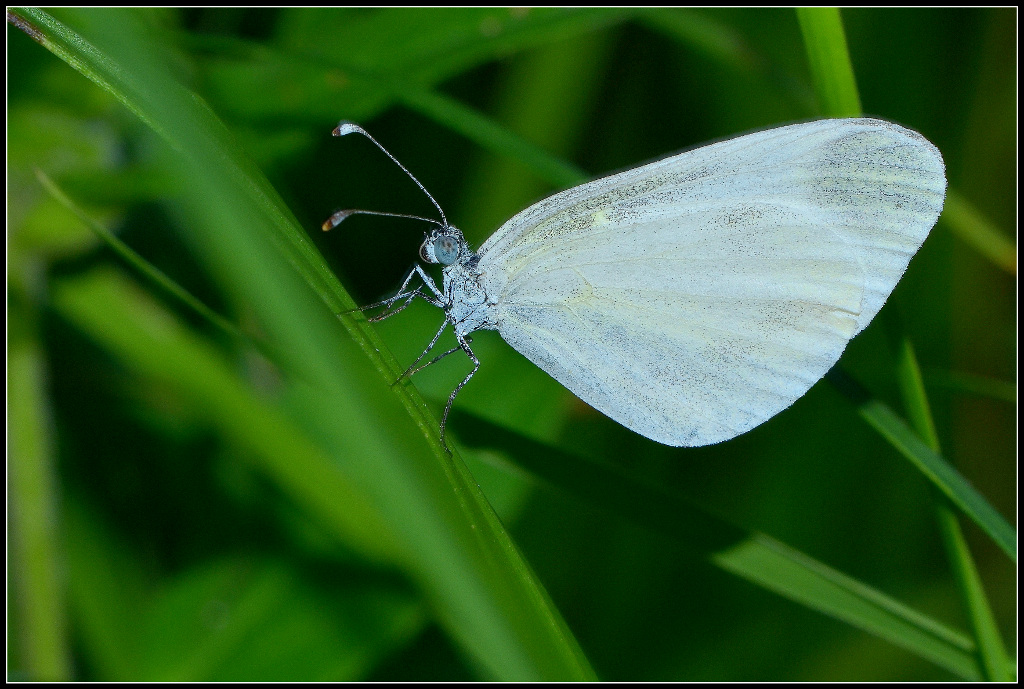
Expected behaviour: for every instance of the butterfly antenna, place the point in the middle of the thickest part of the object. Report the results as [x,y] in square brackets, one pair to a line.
[338,217]
[344,128]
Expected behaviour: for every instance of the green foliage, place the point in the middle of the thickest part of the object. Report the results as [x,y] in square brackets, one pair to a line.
[213,478]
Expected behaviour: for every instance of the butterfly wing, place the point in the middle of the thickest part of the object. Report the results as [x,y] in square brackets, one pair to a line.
[696,297]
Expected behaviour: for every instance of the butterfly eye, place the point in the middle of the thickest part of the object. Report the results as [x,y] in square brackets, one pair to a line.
[446,250]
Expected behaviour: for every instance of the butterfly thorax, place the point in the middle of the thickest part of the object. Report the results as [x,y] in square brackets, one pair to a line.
[468,307]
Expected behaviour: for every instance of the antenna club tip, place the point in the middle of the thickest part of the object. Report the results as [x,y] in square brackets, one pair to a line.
[345,127]
[335,220]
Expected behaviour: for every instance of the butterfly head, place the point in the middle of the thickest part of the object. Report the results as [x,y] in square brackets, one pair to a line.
[444,245]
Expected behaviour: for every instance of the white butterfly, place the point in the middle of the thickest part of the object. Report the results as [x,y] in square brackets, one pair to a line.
[696,297]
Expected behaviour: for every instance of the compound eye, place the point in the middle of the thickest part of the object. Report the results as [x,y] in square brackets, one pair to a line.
[446,250]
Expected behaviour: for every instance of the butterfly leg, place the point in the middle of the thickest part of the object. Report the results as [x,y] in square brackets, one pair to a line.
[413,368]
[464,346]
[406,294]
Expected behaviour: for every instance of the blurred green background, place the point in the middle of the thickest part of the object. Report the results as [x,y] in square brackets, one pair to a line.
[176,500]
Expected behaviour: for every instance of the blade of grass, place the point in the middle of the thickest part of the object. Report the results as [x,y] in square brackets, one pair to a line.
[829,60]
[991,652]
[934,467]
[40,636]
[147,269]
[753,556]
[992,658]
[793,575]
[968,383]
[453,545]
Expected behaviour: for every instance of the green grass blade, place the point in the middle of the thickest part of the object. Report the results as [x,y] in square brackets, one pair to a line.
[829,60]
[934,467]
[451,542]
[969,383]
[991,652]
[779,568]
[151,272]
[36,566]
[995,665]
[949,481]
